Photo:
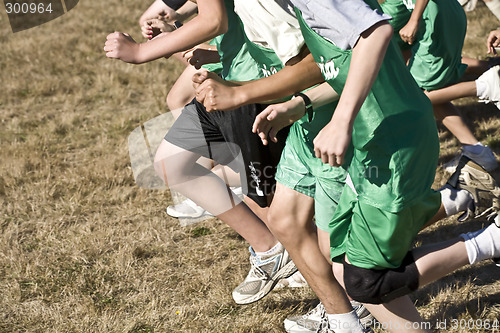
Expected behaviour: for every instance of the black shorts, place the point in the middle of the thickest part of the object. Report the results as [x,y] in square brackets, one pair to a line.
[226,137]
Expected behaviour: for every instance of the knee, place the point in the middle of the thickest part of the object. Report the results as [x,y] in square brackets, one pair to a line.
[172,101]
[166,166]
[282,225]
[160,161]
[362,285]
[177,100]
[324,244]
[380,286]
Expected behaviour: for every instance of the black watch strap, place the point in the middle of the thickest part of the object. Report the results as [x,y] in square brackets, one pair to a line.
[307,102]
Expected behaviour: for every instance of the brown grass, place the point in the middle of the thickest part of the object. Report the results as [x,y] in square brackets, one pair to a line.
[83,249]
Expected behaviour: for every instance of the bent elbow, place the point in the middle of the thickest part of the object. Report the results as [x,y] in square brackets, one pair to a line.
[219,27]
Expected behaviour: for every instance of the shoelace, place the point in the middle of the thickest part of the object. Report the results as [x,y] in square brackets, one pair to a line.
[316,310]
[324,325]
[257,271]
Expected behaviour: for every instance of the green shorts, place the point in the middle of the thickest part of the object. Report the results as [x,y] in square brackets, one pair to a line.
[437,52]
[373,238]
[400,16]
[301,171]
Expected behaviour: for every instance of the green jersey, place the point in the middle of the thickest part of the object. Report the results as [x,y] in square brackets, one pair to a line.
[394,136]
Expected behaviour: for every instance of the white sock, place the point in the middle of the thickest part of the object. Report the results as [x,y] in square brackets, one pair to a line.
[481,87]
[455,201]
[494,6]
[474,149]
[272,251]
[482,244]
[345,322]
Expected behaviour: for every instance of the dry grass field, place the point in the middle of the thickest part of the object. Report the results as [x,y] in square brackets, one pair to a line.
[84,249]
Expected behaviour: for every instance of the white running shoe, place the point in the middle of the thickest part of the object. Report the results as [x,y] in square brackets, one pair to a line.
[311,321]
[187,209]
[492,80]
[265,272]
[496,220]
[486,159]
[296,280]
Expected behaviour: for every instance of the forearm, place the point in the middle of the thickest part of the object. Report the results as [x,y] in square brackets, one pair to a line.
[417,12]
[363,71]
[286,82]
[153,11]
[209,23]
[321,95]
[186,11]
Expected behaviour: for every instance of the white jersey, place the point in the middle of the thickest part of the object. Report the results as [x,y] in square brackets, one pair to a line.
[271,24]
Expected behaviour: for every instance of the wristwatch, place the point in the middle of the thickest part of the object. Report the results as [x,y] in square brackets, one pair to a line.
[307,102]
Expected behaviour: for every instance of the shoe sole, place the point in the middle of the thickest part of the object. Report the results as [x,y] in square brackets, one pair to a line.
[283,273]
[187,216]
[293,324]
[471,177]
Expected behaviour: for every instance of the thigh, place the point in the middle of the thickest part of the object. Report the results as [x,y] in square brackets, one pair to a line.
[171,162]
[197,131]
[182,92]
[290,209]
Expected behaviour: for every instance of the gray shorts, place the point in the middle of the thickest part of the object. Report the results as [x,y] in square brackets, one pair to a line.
[226,137]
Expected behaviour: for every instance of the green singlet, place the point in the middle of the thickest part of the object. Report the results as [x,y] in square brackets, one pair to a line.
[395,157]
[298,168]
[436,60]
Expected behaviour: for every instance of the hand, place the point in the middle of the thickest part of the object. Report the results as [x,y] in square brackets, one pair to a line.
[158,10]
[121,46]
[332,142]
[154,27]
[408,32]
[493,41]
[201,55]
[277,116]
[213,92]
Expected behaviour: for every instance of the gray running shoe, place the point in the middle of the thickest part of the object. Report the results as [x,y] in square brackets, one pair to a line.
[486,159]
[473,178]
[311,321]
[265,272]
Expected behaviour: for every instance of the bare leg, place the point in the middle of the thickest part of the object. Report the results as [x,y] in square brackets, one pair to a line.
[437,260]
[324,243]
[452,119]
[400,314]
[182,92]
[456,91]
[441,214]
[475,66]
[229,176]
[210,192]
[290,219]
[257,210]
